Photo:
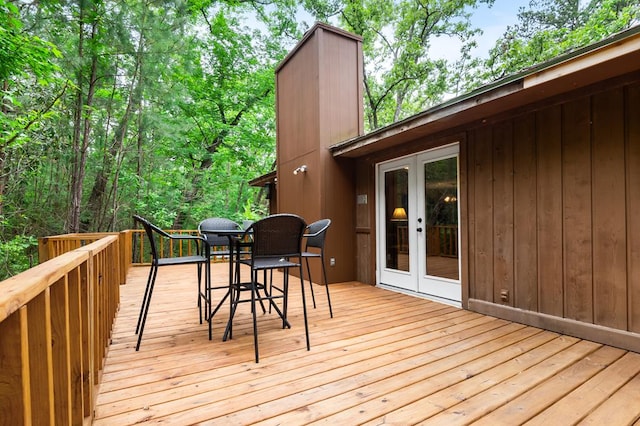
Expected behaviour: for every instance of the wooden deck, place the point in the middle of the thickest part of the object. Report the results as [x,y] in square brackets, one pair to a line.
[385,358]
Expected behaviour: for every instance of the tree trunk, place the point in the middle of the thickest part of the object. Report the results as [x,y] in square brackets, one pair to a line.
[3,156]
[189,196]
[81,142]
[100,196]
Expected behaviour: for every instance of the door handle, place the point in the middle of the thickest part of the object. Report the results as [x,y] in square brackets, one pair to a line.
[419,229]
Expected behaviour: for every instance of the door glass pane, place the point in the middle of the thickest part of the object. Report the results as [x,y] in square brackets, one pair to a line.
[396,187]
[441,217]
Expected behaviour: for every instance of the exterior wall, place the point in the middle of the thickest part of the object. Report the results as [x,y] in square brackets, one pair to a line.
[365,222]
[319,103]
[550,225]
[553,201]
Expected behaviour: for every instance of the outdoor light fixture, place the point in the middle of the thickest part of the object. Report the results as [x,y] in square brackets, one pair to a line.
[301,169]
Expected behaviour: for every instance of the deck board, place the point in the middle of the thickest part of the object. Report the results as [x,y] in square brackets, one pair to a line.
[385,358]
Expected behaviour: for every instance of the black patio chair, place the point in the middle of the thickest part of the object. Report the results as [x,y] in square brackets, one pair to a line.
[275,240]
[154,234]
[315,237]
[219,244]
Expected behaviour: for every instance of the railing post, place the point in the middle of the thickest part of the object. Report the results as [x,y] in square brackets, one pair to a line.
[43,249]
[126,254]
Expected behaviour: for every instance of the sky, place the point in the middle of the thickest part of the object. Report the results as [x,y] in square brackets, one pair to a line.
[493,22]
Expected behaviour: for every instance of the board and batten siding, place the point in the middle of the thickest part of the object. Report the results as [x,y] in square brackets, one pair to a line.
[554,210]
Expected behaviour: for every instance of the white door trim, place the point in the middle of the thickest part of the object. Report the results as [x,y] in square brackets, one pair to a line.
[415,281]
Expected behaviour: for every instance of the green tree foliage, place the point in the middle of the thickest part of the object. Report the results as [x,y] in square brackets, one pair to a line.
[165,109]
[22,54]
[26,74]
[229,111]
[28,95]
[401,77]
[549,28]
[17,254]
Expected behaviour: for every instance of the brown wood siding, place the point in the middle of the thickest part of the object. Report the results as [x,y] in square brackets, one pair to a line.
[633,204]
[340,89]
[319,104]
[548,128]
[365,221]
[337,202]
[609,248]
[467,257]
[483,213]
[576,211]
[525,224]
[503,271]
[297,105]
[553,205]
[463,165]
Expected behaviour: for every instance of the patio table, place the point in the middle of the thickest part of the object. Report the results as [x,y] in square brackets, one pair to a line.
[235,245]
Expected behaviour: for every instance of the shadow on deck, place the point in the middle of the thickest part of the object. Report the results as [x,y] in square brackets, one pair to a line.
[386,358]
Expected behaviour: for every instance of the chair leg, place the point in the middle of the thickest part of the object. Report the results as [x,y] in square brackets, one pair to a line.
[235,297]
[199,266]
[304,310]
[254,288]
[313,296]
[255,321]
[219,305]
[285,291]
[264,277]
[285,298]
[145,307]
[260,298]
[326,285]
[207,284]
[206,295]
[152,271]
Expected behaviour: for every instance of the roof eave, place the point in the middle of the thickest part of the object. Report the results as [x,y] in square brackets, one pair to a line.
[562,74]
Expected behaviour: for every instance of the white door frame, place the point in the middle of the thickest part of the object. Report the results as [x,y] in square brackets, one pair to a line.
[416,281]
[404,280]
[435,286]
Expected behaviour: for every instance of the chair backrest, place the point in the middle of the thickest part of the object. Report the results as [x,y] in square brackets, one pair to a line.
[278,235]
[217,224]
[149,229]
[317,232]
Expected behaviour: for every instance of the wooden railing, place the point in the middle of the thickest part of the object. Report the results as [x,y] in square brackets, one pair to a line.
[50,247]
[56,321]
[442,240]
[55,326]
[140,254]
[133,242]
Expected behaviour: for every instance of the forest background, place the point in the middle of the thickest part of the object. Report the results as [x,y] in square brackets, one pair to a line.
[166,107]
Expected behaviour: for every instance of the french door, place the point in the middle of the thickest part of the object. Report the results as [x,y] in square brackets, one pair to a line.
[418,224]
